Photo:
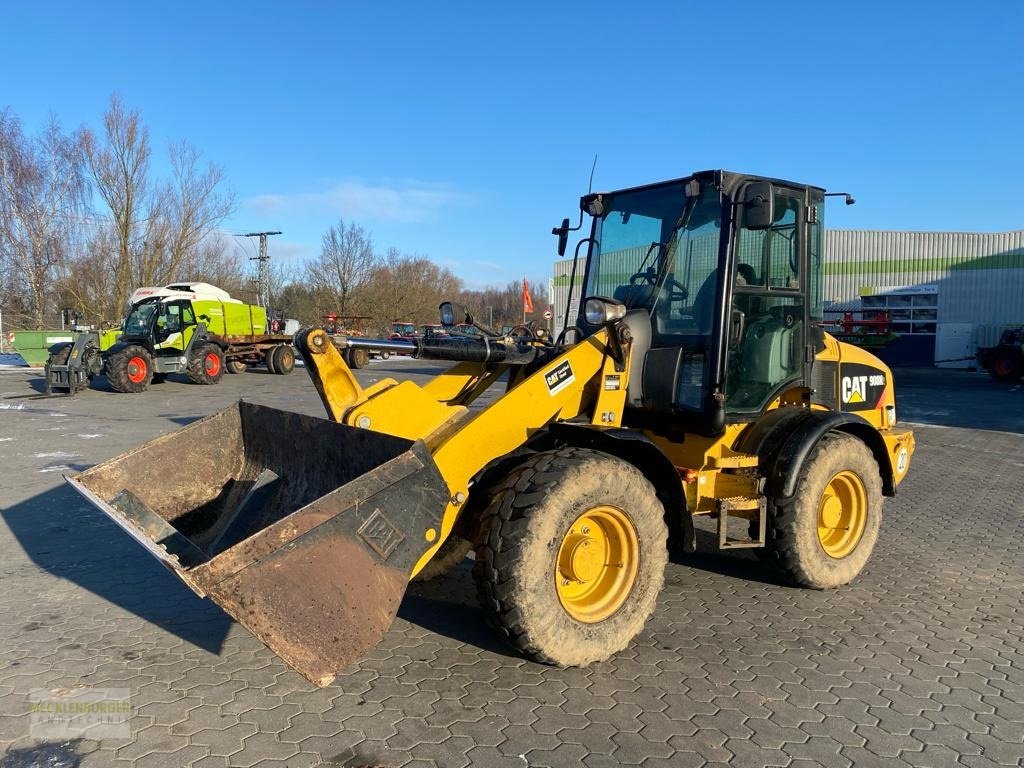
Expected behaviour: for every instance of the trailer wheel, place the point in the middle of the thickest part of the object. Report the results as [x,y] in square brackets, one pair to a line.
[571,556]
[824,537]
[357,358]
[284,359]
[1007,364]
[130,370]
[268,359]
[235,366]
[385,354]
[448,555]
[206,365]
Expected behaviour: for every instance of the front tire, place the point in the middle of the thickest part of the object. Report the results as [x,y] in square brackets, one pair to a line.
[206,365]
[824,537]
[571,556]
[130,370]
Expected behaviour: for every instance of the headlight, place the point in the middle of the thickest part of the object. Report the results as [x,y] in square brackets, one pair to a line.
[598,311]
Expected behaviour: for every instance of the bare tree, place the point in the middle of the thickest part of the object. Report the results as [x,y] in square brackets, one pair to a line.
[345,264]
[159,231]
[409,288]
[42,199]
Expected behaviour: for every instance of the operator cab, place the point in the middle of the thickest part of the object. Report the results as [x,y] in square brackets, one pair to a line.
[160,322]
[720,275]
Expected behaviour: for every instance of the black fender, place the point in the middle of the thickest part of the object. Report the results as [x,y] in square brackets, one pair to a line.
[636,448]
[120,346]
[783,439]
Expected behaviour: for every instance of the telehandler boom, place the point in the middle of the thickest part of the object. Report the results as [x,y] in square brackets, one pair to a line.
[698,382]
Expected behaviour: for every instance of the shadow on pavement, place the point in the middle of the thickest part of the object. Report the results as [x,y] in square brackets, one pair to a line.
[955,398]
[49,754]
[66,537]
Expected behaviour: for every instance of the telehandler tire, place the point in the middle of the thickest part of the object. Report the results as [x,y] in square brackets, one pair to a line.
[571,556]
[824,537]
[235,366]
[206,365]
[284,359]
[130,370]
[448,555]
[1007,365]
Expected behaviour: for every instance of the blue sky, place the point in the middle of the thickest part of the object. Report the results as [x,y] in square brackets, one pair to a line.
[465,130]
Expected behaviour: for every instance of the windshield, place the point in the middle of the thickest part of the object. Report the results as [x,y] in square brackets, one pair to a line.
[140,319]
[657,249]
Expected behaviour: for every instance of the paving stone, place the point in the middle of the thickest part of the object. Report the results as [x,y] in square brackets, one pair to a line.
[920,662]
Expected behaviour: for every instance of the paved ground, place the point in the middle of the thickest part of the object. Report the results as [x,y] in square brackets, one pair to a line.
[921,662]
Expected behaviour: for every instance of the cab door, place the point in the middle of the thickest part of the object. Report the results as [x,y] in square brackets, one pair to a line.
[767,329]
[174,326]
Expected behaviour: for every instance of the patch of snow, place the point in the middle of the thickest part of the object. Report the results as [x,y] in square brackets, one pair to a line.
[56,455]
[6,439]
[12,406]
[91,437]
[57,468]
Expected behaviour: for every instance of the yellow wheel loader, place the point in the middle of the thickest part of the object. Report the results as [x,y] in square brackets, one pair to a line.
[694,379]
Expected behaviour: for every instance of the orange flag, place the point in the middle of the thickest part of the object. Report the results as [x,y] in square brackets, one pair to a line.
[527,299]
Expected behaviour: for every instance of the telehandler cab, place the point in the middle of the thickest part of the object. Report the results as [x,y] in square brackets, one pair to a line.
[698,382]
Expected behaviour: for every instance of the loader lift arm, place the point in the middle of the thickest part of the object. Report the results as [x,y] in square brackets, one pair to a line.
[462,442]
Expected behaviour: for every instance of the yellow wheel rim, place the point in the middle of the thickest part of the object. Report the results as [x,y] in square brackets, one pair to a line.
[842,514]
[597,564]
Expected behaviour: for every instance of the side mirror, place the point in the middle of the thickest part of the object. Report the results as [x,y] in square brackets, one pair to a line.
[453,314]
[563,236]
[758,205]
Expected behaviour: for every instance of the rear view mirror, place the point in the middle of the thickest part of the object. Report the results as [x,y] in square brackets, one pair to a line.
[758,205]
[563,236]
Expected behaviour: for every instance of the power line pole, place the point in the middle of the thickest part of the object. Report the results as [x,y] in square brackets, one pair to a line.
[263,276]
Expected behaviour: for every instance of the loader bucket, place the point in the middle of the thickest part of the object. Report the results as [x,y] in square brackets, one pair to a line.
[303,530]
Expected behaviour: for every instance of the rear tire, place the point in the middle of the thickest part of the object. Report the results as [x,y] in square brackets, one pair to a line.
[449,555]
[284,360]
[557,583]
[235,366]
[1007,364]
[130,370]
[206,365]
[824,537]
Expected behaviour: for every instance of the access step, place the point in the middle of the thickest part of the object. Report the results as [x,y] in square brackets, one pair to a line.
[746,508]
